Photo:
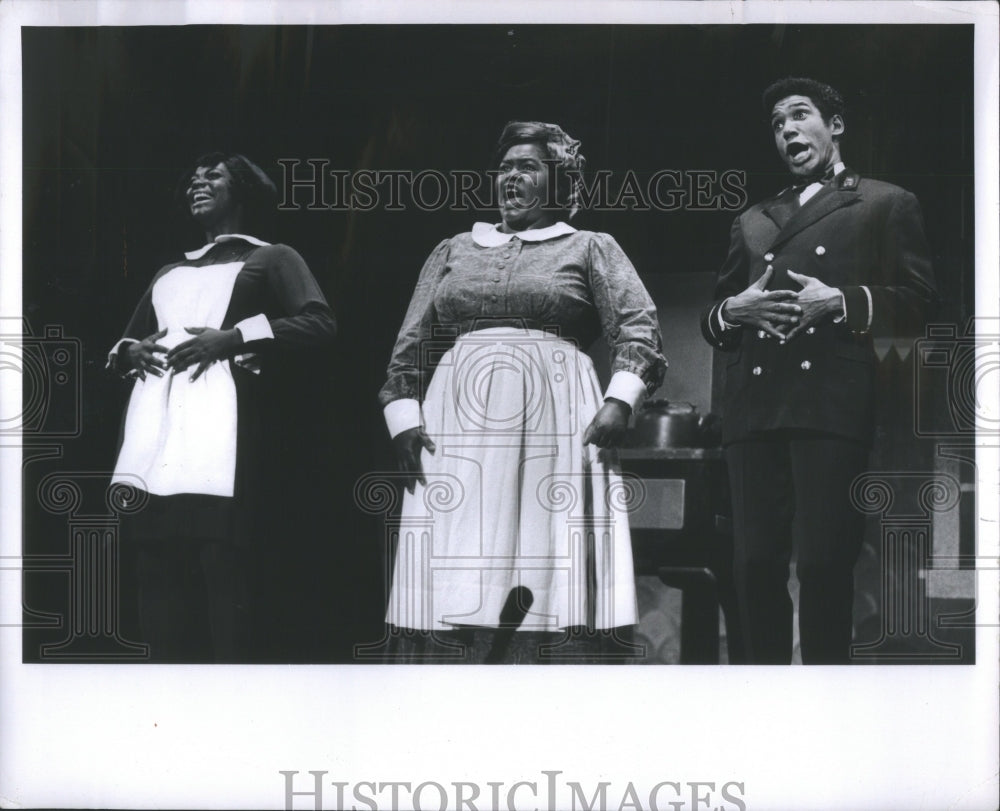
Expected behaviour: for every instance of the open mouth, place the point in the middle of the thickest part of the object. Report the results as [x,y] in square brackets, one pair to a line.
[515,196]
[200,197]
[797,151]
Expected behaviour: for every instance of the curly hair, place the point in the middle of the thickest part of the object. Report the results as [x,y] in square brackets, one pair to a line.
[251,186]
[560,147]
[828,100]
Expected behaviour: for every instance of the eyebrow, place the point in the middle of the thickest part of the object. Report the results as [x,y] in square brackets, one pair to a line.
[799,105]
[796,106]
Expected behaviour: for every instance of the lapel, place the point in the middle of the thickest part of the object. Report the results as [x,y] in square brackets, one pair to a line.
[791,218]
[782,208]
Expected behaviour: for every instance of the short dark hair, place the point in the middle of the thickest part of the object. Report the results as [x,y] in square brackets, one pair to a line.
[559,146]
[252,188]
[827,99]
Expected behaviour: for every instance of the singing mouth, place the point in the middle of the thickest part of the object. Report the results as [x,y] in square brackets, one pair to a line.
[200,197]
[794,149]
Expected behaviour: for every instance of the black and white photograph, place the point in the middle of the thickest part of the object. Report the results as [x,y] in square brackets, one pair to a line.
[350,348]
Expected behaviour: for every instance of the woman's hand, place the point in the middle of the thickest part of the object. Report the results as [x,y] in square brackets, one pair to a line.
[142,355]
[608,426]
[207,346]
[409,444]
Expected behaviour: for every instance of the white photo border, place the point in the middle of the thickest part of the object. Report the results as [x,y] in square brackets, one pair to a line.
[218,737]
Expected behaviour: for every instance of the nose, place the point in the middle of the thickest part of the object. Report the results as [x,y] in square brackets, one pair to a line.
[788,130]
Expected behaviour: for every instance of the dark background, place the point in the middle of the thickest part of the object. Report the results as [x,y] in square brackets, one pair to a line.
[112,116]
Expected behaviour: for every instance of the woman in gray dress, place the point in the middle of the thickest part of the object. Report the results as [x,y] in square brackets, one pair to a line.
[514,542]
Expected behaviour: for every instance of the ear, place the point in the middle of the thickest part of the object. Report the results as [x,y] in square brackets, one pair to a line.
[836,125]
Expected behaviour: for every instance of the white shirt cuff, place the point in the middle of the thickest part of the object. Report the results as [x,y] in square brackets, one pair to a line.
[628,387]
[116,348]
[401,415]
[871,308]
[843,306]
[255,328]
[723,324]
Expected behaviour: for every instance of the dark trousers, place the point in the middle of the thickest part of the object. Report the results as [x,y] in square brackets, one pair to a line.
[792,490]
[193,600]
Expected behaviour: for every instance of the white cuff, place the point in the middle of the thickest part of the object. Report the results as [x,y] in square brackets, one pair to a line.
[626,386]
[256,328]
[115,348]
[843,306]
[723,324]
[401,415]
[871,309]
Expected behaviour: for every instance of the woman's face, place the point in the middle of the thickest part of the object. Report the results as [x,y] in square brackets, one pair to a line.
[210,195]
[523,188]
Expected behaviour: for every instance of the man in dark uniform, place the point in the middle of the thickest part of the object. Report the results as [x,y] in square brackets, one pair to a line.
[811,276]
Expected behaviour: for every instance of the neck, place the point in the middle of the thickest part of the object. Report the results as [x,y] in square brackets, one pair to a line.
[226,226]
[825,174]
[543,223]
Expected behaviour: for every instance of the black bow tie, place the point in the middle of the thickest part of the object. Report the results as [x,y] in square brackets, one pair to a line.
[822,178]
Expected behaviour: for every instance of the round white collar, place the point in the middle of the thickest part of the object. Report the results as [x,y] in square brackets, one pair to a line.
[486,235]
[223,238]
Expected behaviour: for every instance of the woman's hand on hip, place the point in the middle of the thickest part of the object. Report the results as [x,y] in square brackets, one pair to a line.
[142,355]
[409,444]
[607,428]
[205,348]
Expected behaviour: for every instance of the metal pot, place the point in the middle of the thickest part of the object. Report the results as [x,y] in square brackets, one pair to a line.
[663,424]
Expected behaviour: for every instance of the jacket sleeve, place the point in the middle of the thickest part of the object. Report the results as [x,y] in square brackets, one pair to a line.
[628,320]
[734,277]
[406,373]
[141,325]
[903,293]
[304,319]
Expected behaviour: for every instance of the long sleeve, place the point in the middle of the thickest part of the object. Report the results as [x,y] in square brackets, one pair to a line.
[627,315]
[406,373]
[306,319]
[140,326]
[902,292]
[734,277]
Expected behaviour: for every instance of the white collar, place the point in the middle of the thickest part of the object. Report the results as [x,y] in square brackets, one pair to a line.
[223,238]
[489,236]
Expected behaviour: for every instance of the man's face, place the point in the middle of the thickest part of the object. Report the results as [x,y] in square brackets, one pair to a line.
[805,141]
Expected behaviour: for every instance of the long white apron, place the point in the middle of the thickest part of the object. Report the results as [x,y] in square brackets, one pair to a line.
[513,496]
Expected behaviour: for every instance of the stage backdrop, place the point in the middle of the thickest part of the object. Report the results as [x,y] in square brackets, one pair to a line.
[113,115]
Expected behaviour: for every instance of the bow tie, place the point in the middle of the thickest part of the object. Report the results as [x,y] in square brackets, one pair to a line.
[822,178]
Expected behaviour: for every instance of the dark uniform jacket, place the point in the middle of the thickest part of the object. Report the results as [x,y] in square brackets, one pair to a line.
[863,236]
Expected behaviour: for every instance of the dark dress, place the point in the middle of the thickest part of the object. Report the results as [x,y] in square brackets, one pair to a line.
[192,449]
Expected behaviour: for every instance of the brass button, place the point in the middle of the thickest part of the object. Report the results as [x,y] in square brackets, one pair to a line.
[761,333]
[757,371]
[810,330]
[806,366]
[768,257]
[820,250]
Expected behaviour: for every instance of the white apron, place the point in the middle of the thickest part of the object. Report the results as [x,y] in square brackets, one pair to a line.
[180,437]
[513,497]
